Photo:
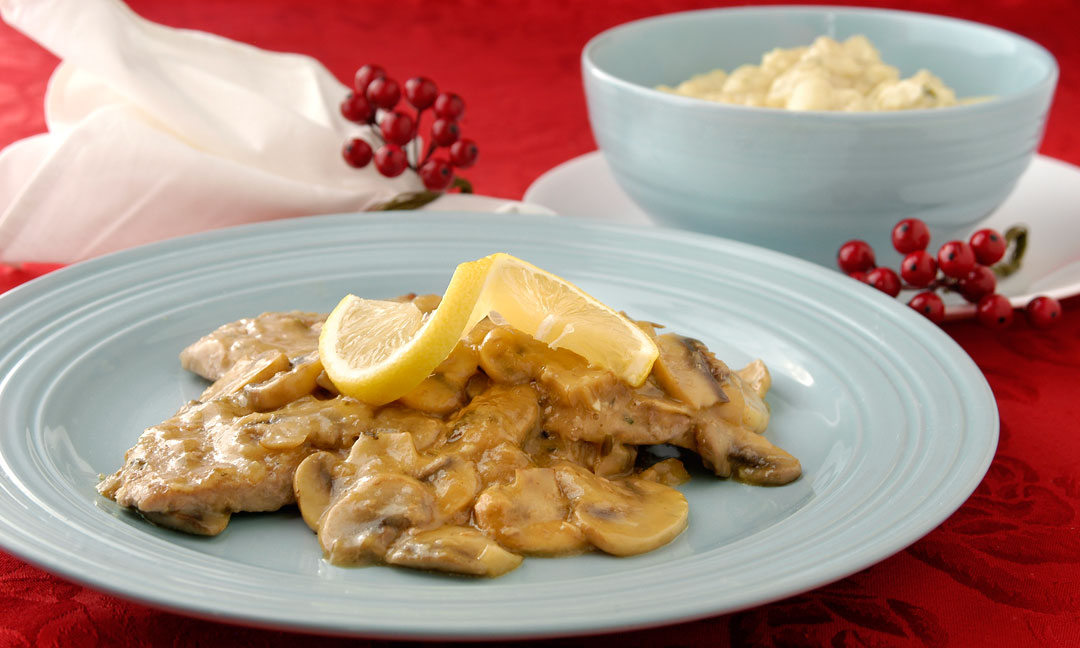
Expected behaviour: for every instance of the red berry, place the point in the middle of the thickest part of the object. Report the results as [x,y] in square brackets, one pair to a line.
[994,311]
[397,128]
[977,284]
[988,246]
[858,275]
[449,106]
[909,235]
[1043,312]
[390,160]
[384,93]
[420,92]
[463,153]
[437,174]
[356,108]
[918,269]
[956,259]
[445,132]
[365,75]
[930,305]
[356,152]
[855,255]
[885,280]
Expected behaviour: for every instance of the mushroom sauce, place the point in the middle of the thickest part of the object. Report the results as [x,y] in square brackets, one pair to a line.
[510,448]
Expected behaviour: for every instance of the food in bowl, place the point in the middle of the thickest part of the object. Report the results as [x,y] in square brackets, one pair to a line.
[826,75]
[510,447]
[791,180]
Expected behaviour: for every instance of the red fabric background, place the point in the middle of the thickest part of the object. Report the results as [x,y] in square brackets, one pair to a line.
[1004,570]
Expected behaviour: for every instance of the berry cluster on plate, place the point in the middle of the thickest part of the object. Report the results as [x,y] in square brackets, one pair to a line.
[375,101]
[967,268]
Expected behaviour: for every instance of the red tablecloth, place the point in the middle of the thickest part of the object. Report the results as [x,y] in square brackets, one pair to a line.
[1004,570]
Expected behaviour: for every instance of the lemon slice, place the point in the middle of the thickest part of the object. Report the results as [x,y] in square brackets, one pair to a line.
[377,351]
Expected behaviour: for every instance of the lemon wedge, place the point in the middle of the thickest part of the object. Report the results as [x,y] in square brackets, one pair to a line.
[377,351]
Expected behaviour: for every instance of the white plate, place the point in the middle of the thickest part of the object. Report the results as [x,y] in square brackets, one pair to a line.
[1046,199]
[893,422]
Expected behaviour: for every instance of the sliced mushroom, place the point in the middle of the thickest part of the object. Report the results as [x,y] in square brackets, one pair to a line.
[733,451]
[324,381]
[427,431]
[475,337]
[497,465]
[255,370]
[381,451]
[719,370]
[502,355]
[684,372]
[444,390]
[669,472]
[477,385]
[755,411]
[625,517]
[455,549]
[530,515]
[313,484]
[502,414]
[434,395]
[744,407]
[328,424]
[322,423]
[360,526]
[614,459]
[286,434]
[757,376]
[456,483]
[567,377]
[509,356]
[286,386]
[424,303]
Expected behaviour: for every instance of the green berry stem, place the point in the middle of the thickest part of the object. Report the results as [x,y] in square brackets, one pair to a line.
[1017,236]
[414,200]
[462,185]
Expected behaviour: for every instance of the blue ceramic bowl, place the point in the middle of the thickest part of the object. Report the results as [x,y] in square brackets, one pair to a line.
[803,182]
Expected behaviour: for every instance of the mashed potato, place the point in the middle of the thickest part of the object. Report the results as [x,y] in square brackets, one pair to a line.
[827,75]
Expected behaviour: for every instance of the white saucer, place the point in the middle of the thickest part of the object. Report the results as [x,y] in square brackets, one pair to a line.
[459,202]
[1045,200]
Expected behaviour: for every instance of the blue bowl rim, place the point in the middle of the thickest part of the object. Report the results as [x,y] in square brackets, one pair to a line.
[1049,81]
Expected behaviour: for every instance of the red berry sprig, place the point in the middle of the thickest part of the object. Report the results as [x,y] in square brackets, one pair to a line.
[962,267]
[375,102]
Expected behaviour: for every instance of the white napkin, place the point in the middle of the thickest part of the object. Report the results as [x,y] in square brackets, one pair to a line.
[156,132]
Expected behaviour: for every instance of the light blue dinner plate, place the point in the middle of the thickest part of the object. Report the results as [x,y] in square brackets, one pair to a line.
[894,424]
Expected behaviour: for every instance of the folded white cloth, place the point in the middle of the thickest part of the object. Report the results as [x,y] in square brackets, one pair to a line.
[155,132]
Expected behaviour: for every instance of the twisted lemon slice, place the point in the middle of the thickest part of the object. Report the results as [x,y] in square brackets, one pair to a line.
[377,351]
